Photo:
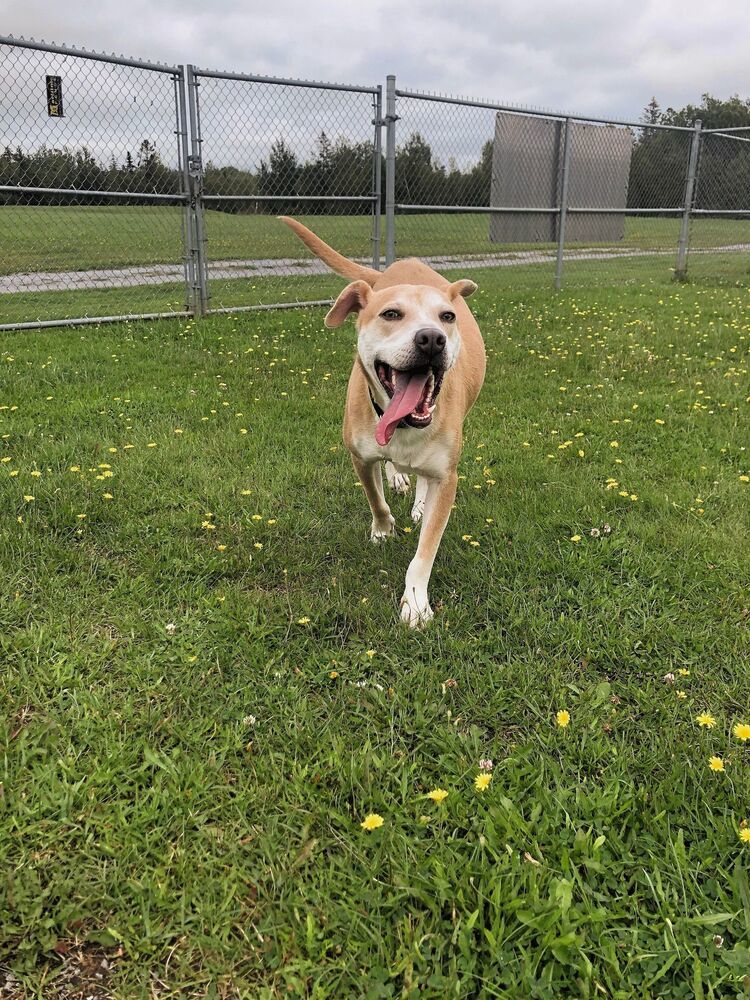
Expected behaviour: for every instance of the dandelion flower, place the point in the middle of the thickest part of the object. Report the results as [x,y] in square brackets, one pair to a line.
[575,538]
[437,795]
[481,782]
[742,731]
[303,621]
[716,763]
[706,720]
[372,822]
[562,718]
[745,835]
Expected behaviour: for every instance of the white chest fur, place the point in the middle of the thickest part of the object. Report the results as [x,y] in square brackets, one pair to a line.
[412,450]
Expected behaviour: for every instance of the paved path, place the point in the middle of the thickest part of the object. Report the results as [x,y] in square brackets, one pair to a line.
[158,274]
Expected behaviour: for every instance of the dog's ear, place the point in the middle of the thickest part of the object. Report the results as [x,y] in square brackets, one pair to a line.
[463,287]
[353,299]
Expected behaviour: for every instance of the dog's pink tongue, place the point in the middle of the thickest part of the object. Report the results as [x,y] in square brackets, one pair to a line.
[405,398]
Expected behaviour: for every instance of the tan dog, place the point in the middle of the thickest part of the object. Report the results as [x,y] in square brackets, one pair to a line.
[416,338]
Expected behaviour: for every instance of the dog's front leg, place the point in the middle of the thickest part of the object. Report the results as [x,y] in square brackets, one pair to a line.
[415,604]
[371,477]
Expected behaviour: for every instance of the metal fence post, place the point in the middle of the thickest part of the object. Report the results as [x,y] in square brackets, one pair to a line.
[680,271]
[390,170]
[563,206]
[191,302]
[195,170]
[377,171]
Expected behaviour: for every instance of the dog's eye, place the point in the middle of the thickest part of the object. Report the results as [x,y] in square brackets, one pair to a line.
[448,317]
[391,314]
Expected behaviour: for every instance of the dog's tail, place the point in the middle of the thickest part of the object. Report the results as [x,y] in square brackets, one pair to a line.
[338,263]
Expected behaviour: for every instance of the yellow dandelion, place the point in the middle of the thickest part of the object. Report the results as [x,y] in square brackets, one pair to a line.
[303,621]
[372,822]
[575,538]
[482,781]
[742,731]
[437,795]
[28,497]
[716,763]
[745,835]
[563,718]
[333,674]
[706,720]
[221,548]
[681,695]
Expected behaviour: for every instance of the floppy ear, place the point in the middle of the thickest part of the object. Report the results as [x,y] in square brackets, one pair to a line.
[463,287]
[353,298]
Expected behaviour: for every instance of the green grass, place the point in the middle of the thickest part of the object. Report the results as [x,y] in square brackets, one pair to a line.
[51,239]
[62,238]
[709,270]
[145,812]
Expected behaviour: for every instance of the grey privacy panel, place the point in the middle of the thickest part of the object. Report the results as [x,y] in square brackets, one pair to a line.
[526,173]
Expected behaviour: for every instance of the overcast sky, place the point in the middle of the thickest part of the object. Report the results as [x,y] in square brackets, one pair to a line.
[605,57]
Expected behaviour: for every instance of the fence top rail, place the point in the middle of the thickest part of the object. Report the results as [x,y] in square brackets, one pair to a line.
[553,115]
[734,137]
[733,128]
[71,50]
[283,81]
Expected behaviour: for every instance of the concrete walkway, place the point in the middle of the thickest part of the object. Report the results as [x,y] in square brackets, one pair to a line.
[158,274]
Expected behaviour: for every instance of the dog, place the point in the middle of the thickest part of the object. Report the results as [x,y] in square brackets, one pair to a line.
[418,370]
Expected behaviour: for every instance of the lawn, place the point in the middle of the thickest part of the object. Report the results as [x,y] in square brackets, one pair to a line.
[63,238]
[206,689]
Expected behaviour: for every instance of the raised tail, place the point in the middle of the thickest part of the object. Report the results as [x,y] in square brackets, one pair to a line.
[338,263]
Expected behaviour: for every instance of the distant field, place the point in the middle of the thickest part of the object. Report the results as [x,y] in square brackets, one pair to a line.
[62,238]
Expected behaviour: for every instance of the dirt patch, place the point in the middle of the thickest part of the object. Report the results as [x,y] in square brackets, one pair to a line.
[80,972]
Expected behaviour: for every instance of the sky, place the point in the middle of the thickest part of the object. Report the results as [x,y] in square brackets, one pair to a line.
[605,57]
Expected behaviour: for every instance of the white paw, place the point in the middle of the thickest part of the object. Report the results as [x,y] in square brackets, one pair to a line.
[416,610]
[382,529]
[417,510]
[399,482]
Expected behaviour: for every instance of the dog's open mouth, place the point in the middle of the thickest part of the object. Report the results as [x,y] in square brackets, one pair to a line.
[412,398]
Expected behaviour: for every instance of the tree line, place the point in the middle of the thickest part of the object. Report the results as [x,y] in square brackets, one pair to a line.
[285,183]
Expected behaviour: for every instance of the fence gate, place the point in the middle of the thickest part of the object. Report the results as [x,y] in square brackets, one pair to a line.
[94,206]
[266,146]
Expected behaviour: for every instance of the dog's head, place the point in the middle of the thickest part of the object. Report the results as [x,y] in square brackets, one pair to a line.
[408,339]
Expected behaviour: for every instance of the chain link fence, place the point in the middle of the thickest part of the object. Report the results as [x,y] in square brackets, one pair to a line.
[719,233]
[129,188]
[93,202]
[272,147]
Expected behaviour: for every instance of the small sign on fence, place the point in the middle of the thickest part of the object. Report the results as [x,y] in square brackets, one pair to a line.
[54,97]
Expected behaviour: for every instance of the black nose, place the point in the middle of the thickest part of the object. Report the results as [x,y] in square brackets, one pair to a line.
[430,342]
